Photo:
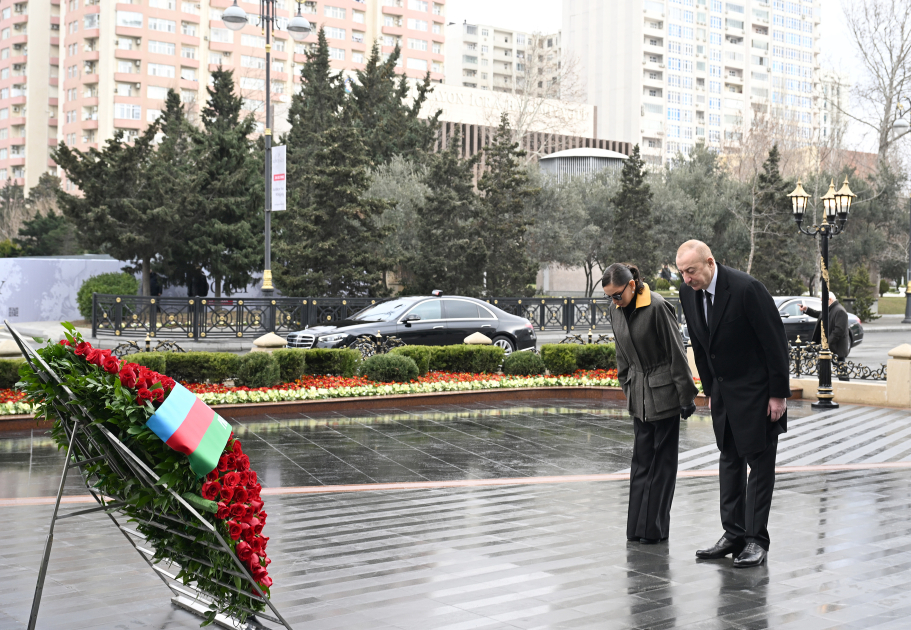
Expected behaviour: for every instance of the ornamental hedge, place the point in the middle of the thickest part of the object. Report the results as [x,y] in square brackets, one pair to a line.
[523,364]
[419,354]
[466,358]
[114,283]
[389,368]
[291,363]
[259,369]
[567,358]
[9,372]
[332,362]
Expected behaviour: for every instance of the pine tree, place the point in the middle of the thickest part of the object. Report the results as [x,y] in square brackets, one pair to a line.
[331,246]
[452,254]
[379,104]
[46,234]
[505,191]
[226,193]
[634,239]
[776,261]
[119,210]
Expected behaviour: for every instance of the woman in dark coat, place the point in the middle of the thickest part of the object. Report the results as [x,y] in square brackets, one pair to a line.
[655,376]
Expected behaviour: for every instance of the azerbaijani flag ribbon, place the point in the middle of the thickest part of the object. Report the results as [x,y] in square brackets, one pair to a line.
[187,424]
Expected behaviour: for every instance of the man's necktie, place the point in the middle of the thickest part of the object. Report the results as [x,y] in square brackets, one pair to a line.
[708,309]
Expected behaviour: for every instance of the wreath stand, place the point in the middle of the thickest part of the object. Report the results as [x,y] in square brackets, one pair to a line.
[85,448]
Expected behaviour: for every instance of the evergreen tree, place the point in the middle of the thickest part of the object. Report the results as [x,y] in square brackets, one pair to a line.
[379,106]
[505,190]
[47,234]
[12,208]
[634,239]
[225,195]
[776,261]
[452,254]
[331,246]
[119,210]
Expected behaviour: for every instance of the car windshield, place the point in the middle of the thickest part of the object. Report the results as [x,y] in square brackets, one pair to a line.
[384,312]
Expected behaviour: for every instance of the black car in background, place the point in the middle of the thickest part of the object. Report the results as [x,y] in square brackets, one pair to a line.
[797,324]
[438,320]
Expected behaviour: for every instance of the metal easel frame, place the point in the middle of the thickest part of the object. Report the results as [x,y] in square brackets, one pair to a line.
[86,447]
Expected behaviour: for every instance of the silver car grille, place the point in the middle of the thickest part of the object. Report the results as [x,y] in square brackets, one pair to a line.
[301,341]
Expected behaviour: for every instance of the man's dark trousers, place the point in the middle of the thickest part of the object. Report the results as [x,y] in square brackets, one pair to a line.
[741,518]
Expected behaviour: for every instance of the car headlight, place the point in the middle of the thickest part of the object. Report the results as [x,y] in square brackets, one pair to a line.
[332,338]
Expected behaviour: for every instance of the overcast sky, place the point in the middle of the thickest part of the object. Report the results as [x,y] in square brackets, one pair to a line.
[838,51]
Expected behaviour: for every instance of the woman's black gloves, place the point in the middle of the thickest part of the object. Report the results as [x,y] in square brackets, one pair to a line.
[686,412]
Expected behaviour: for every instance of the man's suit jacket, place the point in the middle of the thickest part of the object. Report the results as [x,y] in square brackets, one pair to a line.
[836,331]
[742,357]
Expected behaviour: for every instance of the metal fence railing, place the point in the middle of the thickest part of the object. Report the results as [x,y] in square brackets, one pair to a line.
[219,318]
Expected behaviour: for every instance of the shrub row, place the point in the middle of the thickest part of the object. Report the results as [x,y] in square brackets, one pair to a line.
[9,372]
[567,358]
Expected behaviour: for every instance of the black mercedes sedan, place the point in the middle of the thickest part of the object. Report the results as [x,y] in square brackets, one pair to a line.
[798,324]
[438,320]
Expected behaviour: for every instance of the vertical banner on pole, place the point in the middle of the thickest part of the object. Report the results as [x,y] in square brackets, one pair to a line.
[278,178]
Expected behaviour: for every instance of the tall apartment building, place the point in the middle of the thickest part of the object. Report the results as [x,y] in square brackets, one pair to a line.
[669,73]
[29,49]
[117,61]
[834,89]
[501,60]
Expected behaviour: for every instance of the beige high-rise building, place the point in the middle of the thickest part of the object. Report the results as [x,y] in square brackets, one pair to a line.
[29,49]
[670,73]
[834,90]
[117,61]
[502,60]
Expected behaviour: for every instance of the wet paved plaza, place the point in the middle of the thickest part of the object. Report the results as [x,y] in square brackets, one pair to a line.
[532,553]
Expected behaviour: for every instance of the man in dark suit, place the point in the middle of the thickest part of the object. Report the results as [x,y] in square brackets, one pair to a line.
[741,352]
[836,331]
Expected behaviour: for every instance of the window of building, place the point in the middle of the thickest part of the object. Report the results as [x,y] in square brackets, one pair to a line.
[163,4]
[249,83]
[161,48]
[254,41]
[357,57]
[417,64]
[333,32]
[417,5]
[190,7]
[335,12]
[358,17]
[188,74]
[125,66]
[417,44]
[188,28]
[417,25]
[221,35]
[436,28]
[152,114]
[469,59]
[125,110]
[161,70]
[188,52]
[90,21]
[165,26]
[248,61]
[157,92]
[129,19]
[337,53]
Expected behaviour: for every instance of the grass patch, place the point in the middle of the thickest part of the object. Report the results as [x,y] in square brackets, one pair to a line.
[892,305]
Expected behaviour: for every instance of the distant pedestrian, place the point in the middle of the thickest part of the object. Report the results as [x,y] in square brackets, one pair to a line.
[655,376]
[665,273]
[741,352]
[197,283]
[836,332]
[154,284]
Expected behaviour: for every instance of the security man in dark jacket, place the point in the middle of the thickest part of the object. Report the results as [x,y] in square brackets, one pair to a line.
[655,376]
[741,352]
[836,331]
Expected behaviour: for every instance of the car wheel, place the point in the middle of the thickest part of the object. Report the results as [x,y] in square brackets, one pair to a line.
[505,343]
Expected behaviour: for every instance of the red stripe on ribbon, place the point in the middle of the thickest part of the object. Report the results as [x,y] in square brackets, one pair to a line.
[189,434]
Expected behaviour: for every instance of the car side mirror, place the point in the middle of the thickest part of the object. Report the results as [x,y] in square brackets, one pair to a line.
[785,315]
[414,317]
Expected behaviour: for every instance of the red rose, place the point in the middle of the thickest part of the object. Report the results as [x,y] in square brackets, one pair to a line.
[212,476]
[167,383]
[143,395]
[82,349]
[257,526]
[64,342]
[238,510]
[244,551]
[157,395]
[128,375]
[232,461]
[236,448]
[222,463]
[254,491]
[240,494]
[266,561]
[259,545]
[111,365]
[234,530]
[243,462]
[210,490]
[248,534]
[251,511]
[222,512]
[257,505]
[266,582]
[226,494]
[94,357]
[251,478]
[232,479]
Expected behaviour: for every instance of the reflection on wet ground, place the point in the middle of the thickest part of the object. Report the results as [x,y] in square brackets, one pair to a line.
[535,556]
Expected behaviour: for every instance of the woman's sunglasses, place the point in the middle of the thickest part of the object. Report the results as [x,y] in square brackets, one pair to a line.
[618,296]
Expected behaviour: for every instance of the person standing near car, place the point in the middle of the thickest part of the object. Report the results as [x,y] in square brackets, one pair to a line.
[653,371]
[741,352]
[836,331]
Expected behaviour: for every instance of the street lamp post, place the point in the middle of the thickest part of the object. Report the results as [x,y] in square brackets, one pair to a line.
[235,18]
[836,206]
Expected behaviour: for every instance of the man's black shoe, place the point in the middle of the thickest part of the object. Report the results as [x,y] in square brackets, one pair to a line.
[720,549]
[752,556]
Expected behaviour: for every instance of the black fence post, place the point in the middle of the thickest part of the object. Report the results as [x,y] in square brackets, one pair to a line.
[94,315]
[195,310]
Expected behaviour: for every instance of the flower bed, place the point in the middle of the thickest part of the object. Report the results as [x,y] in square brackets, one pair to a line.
[324,387]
